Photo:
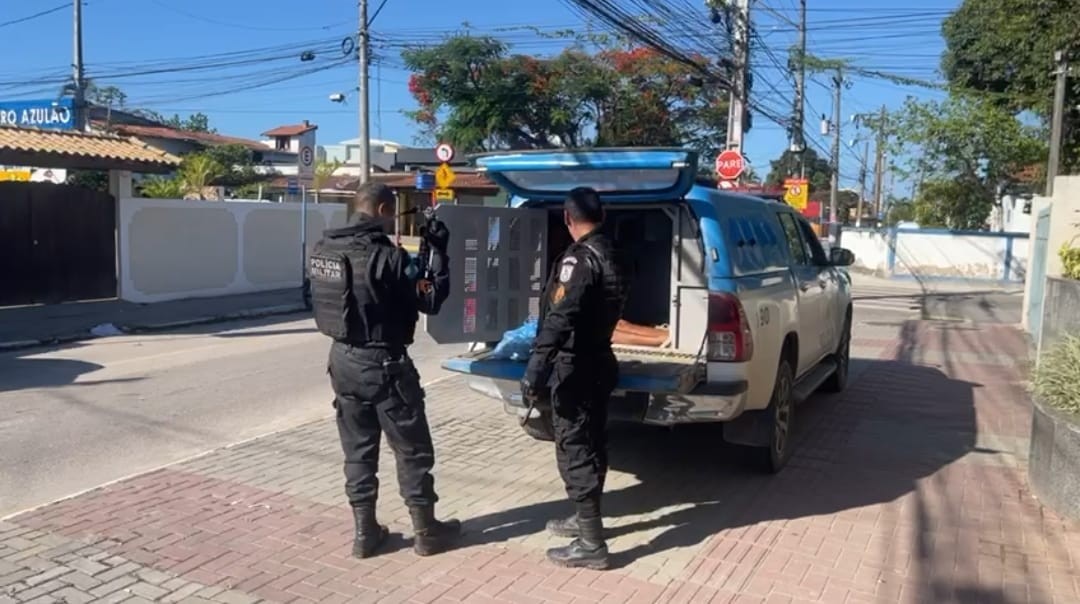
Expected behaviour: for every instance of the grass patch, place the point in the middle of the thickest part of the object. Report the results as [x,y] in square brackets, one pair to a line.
[1057,376]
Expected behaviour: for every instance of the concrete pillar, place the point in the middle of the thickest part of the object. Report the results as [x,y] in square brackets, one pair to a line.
[120,184]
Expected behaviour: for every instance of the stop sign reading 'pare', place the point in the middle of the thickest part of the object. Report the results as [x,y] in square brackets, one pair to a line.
[729,164]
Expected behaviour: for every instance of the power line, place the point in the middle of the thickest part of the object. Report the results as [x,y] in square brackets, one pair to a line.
[50,11]
[205,19]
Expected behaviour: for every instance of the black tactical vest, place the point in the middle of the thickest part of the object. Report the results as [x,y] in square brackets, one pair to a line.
[614,282]
[348,305]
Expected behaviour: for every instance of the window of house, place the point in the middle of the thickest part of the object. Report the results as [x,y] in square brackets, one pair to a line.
[282,143]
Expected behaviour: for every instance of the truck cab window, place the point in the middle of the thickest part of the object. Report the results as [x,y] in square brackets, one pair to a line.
[813,245]
[799,253]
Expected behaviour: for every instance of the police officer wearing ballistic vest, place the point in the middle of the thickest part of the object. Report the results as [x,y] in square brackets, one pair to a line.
[572,362]
[367,298]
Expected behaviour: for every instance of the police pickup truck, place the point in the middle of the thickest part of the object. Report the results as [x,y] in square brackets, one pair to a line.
[753,315]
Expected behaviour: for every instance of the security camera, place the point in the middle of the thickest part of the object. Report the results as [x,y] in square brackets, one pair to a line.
[337,97]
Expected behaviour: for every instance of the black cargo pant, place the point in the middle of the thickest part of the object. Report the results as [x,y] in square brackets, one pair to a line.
[581,386]
[369,402]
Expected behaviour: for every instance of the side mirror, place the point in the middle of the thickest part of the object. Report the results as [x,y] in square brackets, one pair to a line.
[839,256]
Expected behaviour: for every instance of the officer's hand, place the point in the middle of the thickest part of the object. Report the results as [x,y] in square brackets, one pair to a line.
[437,235]
[528,392]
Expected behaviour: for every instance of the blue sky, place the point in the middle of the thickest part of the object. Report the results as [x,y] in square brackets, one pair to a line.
[125,39]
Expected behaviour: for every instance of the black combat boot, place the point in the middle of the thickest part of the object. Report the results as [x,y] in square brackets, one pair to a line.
[589,549]
[431,535]
[369,533]
[565,527]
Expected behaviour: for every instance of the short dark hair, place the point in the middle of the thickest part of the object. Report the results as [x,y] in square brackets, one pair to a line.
[370,195]
[583,205]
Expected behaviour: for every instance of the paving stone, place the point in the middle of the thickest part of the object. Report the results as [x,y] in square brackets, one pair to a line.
[153,577]
[113,586]
[147,590]
[70,595]
[883,486]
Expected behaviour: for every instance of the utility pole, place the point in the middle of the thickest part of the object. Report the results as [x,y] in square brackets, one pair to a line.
[739,93]
[862,184]
[1062,74]
[798,138]
[77,75]
[834,193]
[365,115]
[879,160]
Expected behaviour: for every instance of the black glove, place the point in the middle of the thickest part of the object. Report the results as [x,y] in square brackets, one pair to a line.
[437,235]
[529,392]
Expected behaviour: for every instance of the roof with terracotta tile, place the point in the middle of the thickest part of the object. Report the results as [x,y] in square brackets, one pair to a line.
[290,130]
[56,148]
[165,132]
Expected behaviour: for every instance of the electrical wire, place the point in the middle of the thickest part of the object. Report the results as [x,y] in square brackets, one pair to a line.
[43,13]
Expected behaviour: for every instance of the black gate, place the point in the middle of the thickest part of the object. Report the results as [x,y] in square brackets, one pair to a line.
[57,244]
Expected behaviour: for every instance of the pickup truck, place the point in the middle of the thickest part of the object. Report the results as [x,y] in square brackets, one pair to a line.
[755,315]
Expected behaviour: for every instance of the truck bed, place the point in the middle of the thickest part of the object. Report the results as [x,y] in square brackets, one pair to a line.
[641,369]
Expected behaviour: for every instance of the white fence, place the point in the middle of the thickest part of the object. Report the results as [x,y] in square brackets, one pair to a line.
[173,249]
[939,254]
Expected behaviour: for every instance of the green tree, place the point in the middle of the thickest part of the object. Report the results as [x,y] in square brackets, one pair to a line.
[966,149]
[97,180]
[199,171]
[818,170]
[157,187]
[1004,50]
[237,163]
[323,171]
[472,92]
[196,122]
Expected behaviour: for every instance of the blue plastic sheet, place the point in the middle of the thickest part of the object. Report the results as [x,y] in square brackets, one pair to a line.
[515,344]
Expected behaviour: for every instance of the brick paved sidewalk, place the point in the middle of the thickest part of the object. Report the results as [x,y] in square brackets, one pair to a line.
[907,488]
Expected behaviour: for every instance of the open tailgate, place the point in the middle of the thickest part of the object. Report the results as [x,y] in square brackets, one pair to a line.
[640,370]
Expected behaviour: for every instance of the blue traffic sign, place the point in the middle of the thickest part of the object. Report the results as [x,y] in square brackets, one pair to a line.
[292,185]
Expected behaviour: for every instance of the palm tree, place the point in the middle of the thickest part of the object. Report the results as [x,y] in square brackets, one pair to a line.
[163,188]
[323,171]
[198,171]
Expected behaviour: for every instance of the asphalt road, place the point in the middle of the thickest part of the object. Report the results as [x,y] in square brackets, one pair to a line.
[79,416]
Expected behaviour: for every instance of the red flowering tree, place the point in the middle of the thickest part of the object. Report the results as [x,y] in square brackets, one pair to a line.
[474,93]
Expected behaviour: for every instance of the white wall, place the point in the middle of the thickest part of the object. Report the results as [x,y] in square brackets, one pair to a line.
[174,249]
[940,254]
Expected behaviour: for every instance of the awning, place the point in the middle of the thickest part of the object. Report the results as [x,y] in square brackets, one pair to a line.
[79,150]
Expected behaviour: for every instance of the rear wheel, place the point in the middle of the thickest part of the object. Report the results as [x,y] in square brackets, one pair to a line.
[838,380]
[780,420]
[540,428]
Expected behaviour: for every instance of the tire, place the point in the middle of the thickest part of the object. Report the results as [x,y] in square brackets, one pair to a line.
[837,382]
[780,420]
[540,428]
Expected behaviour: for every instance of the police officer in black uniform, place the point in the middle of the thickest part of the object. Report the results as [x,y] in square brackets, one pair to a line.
[572,362]
[366,296]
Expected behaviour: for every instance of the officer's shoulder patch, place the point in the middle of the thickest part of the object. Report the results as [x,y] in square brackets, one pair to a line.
[566,269]
[559,294]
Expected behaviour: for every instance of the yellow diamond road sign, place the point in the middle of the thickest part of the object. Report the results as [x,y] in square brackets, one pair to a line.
[444,176]
[444,194]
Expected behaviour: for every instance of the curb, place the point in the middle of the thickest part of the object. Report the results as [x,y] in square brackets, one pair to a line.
[254,313]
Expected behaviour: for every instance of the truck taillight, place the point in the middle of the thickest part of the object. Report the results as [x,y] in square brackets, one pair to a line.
[729,337]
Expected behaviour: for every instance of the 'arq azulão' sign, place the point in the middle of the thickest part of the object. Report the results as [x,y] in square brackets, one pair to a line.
[48,114]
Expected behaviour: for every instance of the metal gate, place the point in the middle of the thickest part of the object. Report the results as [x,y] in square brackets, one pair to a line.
[57,244]
[1038,273]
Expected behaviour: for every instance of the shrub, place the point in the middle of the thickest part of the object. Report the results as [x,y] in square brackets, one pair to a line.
[1070,257]
[1057,376]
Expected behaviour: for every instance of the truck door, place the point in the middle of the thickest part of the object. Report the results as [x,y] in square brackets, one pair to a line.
[497,266]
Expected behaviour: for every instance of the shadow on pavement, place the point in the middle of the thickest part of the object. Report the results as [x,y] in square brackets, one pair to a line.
[871,445]
[19,373]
